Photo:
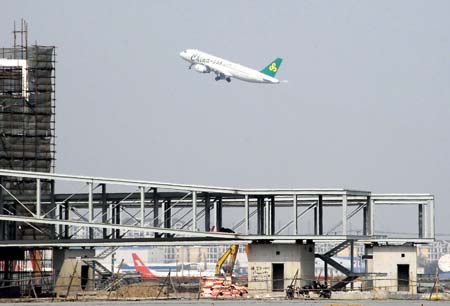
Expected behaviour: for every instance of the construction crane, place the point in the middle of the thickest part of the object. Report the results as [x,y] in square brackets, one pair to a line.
[232,253]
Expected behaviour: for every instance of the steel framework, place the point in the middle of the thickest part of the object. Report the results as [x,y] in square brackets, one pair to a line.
[87,216]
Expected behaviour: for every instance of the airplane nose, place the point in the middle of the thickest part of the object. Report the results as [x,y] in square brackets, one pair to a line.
[183,55]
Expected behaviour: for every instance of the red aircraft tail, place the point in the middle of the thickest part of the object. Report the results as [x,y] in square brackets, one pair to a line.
[141,267]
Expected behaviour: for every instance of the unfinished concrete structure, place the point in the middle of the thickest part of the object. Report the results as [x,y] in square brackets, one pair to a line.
[272,267]
[72,271]
[392,268]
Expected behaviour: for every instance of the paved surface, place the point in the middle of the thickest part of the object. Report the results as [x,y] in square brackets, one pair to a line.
[242,302]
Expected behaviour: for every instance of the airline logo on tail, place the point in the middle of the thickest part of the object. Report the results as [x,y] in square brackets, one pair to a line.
[272,68]
[141,267]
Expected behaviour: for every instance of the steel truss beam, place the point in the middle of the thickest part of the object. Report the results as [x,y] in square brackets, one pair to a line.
[194,197]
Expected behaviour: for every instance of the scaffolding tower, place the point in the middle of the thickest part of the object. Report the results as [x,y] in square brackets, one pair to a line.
[27,123]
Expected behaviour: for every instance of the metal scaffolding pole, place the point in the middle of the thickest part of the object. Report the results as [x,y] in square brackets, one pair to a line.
[38,198]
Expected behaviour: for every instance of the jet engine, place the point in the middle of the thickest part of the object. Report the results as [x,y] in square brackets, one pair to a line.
[201,68]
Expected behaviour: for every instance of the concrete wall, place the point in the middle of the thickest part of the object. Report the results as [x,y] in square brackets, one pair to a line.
[385,259]
[67,266]
[294,257]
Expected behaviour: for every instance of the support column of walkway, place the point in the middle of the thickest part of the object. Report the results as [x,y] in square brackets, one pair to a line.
[207,212]
[156,211]
[218,213]
[260,214]
[168,216]
[104,210]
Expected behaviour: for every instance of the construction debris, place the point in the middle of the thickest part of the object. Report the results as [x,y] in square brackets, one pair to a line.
[216,287]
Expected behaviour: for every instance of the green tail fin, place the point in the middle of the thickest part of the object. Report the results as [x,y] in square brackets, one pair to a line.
[273,67]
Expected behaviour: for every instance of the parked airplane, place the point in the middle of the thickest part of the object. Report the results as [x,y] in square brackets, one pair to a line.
[225,70]
[158,270]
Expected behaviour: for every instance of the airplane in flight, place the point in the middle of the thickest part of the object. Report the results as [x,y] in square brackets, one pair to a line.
[225,70]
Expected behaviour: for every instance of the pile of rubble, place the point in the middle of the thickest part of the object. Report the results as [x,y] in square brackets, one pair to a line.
[215,287]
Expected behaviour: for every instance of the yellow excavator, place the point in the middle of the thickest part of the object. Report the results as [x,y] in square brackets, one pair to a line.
[232,253]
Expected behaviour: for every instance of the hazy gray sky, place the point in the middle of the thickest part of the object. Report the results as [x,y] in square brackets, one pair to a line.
[366,106]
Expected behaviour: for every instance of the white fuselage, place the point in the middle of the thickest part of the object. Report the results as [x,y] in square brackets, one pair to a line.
[226,68]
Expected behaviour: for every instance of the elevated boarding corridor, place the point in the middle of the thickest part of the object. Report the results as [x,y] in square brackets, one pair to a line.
[92,216]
